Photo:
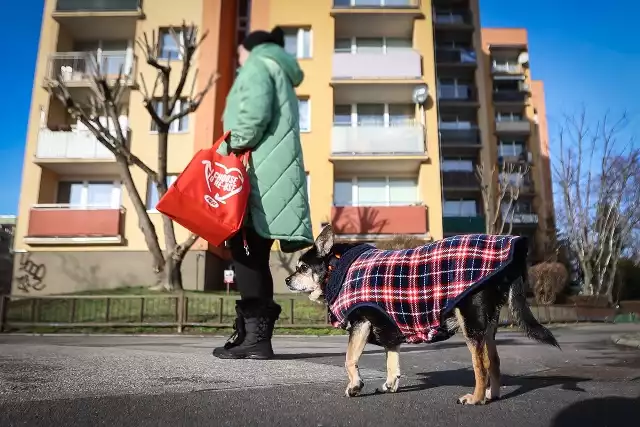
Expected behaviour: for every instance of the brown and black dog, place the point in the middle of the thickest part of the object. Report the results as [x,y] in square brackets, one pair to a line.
[475,313]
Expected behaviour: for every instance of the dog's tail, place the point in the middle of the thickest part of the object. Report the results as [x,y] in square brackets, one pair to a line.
[524,317]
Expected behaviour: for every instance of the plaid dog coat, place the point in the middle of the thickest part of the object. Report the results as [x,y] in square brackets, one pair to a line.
[415,288]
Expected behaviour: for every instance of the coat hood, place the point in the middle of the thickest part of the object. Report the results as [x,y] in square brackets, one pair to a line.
[287,62]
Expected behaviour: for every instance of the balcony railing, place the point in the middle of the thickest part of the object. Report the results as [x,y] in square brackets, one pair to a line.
[359,220]
[378,140]
[80,67]
[77,144]
[512,125]
[509,96]
[62,221]
[463,224]
[507,68]
[455,56]
[451,135]
[525,218]
[97,5]
[451,18]
[463,93]
[399,64]
[375,4]
[460,179]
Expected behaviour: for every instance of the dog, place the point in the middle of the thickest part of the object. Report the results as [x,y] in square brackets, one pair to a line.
[426,294]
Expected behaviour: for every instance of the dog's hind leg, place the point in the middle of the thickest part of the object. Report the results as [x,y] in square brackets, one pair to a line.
[393,370]
[493,391]
[357,340]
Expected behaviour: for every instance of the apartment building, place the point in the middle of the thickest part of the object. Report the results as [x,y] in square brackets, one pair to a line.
[401,99]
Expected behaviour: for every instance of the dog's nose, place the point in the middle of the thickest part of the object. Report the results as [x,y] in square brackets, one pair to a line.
[287,281]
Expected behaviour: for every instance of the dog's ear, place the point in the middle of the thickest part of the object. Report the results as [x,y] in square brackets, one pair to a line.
[324,242]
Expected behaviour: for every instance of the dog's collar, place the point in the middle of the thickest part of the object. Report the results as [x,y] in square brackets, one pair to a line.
[342,256]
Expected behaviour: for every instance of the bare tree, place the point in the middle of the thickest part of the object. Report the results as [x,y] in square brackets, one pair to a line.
[501,187]
[598,178]
[105,105]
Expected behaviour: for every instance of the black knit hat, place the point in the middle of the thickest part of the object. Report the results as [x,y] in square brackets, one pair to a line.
[259,37]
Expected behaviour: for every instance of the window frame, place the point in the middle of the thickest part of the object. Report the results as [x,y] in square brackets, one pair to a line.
[387,121]
[116,193]
[171,179]
[180,46]
[176,123]
[460,200]
[307,100]
[355,202]
[299,34]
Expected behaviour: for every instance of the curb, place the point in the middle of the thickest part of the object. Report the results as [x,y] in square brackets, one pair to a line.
[626,341]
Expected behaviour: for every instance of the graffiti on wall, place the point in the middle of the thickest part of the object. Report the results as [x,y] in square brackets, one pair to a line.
[30,275]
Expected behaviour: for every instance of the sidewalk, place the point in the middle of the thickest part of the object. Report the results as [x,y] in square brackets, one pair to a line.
[627,340]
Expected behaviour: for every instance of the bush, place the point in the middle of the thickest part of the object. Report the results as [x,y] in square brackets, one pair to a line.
[627,285]
[548,280]
[402,241]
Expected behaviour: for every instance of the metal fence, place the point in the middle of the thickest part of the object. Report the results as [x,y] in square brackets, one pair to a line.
[185,310]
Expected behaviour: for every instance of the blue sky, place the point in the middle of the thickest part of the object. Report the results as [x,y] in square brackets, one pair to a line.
[586,56]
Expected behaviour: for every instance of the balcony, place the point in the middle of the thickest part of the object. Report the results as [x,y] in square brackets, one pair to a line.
[456,138]
[522,218]
[460,180]
[463,225]
[504,126]
[341,6]
[452,20]
[76,151]
[455,57]
[408,140]
[77,69]
[97,19]
[510,96]
[376,220]
[507,68]
[460,96]
[65,224]
[397,65]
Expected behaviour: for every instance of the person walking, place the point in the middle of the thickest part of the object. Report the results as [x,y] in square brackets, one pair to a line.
[261,113]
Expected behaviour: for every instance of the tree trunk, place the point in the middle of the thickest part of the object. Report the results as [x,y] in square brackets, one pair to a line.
[144,221]
[170,279]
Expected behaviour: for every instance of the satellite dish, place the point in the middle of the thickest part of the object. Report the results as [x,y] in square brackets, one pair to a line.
[523,58]
[420,94]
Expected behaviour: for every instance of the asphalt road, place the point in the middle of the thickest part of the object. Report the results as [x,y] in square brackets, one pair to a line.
[174,381]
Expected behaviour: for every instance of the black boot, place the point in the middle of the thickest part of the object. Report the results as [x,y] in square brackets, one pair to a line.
[259,320]
[239,331]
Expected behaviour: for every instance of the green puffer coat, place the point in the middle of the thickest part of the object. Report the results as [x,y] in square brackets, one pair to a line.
[262,115]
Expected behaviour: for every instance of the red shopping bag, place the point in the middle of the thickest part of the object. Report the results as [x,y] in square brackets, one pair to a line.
[209,198]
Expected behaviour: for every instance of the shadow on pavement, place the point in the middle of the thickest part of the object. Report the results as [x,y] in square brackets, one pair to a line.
[464,378]
[600,412]
[405,349]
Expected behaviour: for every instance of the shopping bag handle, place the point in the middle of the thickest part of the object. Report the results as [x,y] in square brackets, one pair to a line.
[244,156]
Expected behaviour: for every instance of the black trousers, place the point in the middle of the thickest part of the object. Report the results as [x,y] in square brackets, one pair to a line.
[252,273]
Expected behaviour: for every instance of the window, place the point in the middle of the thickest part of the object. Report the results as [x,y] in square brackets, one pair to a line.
[84,194]
[297,42]
[455,121]
[386,115]
[152,191]
[342,115]
[454,89]
[168,47]
[510,148]
[375,192]
[181,125]
[376,45]
[519,207]
[401,114]
[457,165]
[370,114]
[304,113]
[460,208]
[508,116]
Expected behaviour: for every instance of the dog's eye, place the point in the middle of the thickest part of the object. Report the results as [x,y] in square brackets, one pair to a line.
[303,268]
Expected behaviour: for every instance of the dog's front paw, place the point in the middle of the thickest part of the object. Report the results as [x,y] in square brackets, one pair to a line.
[391,386]
[353,390]
[492,396]
[469,399]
